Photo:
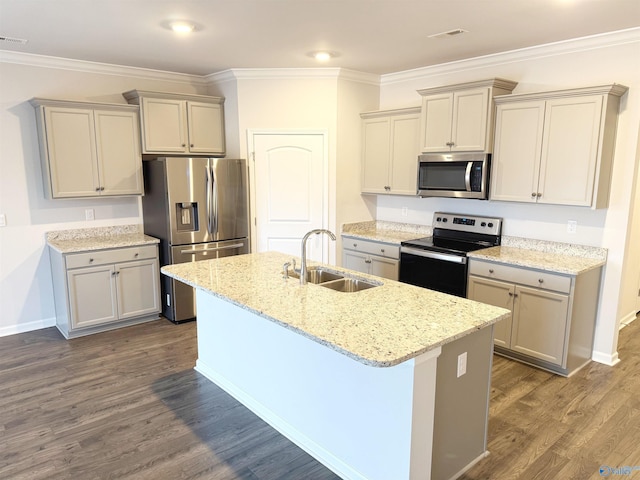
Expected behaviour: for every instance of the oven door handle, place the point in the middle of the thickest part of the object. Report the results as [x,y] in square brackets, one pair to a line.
[434,255]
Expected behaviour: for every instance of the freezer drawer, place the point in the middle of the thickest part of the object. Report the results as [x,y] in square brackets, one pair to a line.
[179,300]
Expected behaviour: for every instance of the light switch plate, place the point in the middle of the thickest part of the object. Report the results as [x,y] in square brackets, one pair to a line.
[3,220]
[462,364]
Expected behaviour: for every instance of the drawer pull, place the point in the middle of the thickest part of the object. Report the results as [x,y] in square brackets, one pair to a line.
[91,260]
[510,294]
[540,281]
[355,245]
[136,255]
[491,270]
[382,250]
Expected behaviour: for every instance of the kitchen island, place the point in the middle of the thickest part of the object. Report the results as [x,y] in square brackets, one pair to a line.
[349,377]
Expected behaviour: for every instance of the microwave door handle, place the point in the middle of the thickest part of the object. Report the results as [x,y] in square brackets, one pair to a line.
[467,176]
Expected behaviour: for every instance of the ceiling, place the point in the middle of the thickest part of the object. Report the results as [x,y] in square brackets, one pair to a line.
[373,36]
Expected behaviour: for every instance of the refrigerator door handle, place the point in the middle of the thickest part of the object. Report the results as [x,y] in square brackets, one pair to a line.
[213,249]
[214,202]
[208,189]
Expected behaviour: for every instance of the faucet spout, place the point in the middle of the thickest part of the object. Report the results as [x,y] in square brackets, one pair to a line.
[303,266]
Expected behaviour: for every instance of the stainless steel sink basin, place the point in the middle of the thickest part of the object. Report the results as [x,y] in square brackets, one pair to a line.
[318,275]
[349,285]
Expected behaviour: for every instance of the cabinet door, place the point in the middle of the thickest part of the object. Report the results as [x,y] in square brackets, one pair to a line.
[164,125]
[206,128]
[384,267]
[404,154]
[498,294]
[570,150]
[118,146]
[376,154]
[518,145]
[356,261]
[71,151]
[92,296]
[138,288]
[539,324]
[469,124]
[435,127]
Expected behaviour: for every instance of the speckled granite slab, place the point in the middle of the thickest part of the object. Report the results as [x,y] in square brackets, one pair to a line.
[99,238]
[539,259]
[389,232]
[381,326]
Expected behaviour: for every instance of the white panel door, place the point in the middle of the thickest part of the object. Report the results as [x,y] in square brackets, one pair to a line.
[290,192]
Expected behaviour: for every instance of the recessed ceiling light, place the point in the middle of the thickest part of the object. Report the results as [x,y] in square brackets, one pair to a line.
[322,55]
[449,33]
[182,27]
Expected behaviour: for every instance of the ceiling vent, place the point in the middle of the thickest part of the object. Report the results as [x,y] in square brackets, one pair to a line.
[19,41]
[450,33]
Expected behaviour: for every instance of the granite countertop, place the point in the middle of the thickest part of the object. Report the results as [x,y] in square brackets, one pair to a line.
[100,238]
[542,260]
[381,326]
[388,232]
[566,258]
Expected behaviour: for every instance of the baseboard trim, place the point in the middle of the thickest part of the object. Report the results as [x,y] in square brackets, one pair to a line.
[610,359]
[27,327]
[482,456]
[627,319]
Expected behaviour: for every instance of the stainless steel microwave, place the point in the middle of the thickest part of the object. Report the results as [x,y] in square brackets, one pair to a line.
[457,175]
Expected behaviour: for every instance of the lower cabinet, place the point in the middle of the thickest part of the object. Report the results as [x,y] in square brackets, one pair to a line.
[552,315]
[105,289]
[375,258]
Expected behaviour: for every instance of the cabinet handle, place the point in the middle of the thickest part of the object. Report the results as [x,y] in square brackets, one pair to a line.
[367,260]
[515,295]
[510,294]
[192,145]
[533,195]
[97,189]
[538,194]
[450,144]
[184,144]
[102,189]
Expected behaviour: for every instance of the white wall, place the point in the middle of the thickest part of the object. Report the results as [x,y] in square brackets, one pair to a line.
[605,59]
[26,292]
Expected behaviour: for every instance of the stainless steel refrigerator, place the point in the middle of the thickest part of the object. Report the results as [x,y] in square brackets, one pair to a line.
[198,208]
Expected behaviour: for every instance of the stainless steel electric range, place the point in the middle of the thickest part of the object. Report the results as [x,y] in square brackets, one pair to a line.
[439,262]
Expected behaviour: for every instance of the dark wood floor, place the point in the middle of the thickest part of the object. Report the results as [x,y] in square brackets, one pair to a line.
[127,404]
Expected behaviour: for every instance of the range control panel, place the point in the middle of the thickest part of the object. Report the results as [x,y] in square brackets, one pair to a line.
[467,223]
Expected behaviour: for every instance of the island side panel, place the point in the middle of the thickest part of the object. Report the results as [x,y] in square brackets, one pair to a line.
[362,422]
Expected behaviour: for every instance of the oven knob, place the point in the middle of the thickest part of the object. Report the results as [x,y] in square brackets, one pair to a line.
[444,220]
[438,219]
[490,225]
[483,224]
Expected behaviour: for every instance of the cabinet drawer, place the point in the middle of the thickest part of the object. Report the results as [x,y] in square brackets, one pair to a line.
[101,257]
[372,248]
[523,276]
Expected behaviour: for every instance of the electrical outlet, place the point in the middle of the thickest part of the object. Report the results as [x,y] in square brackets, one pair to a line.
[89,214]
[3,220]
[462,364]
[572,226]
[405,211]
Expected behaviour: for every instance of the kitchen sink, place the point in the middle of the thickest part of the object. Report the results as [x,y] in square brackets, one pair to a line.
[318,275]
[349,285]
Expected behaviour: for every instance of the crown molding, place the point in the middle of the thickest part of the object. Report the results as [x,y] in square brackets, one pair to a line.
[287,73]
[603,40]
[84,66]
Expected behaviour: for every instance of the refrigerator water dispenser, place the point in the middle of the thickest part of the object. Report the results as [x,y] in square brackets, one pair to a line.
[187,216]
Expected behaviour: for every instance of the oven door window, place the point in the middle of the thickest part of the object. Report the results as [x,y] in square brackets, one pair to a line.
[439,275]
[443,176]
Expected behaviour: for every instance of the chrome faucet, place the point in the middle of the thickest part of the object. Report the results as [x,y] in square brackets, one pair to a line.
[303,266]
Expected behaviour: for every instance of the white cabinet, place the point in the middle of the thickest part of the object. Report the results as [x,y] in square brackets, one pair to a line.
[88,149]
[556,147]
[390,151]
[459,118]
[180,124]
[105,289]
[552,315]
[375,258]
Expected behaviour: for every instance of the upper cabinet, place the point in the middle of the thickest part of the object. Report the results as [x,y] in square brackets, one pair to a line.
[180,124]
[390,151]
[459,118]
[89,149]
[556,147]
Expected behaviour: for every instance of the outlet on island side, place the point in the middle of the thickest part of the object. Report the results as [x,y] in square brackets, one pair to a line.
[89,214]
[462,364]
[405,211]
[572,226]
